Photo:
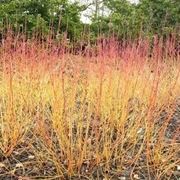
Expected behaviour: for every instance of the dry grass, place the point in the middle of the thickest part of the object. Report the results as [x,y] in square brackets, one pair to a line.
[66,116]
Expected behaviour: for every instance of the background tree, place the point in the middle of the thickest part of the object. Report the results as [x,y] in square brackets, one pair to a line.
[146,18]
[120,17]
[159,16]
[41,15]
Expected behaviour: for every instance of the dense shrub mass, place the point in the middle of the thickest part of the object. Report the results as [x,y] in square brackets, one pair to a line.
[89,101]
[113,113]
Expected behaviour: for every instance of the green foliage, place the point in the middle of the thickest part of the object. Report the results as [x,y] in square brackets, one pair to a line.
[160,16]
[124,19]
[40,15]
[148,17]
